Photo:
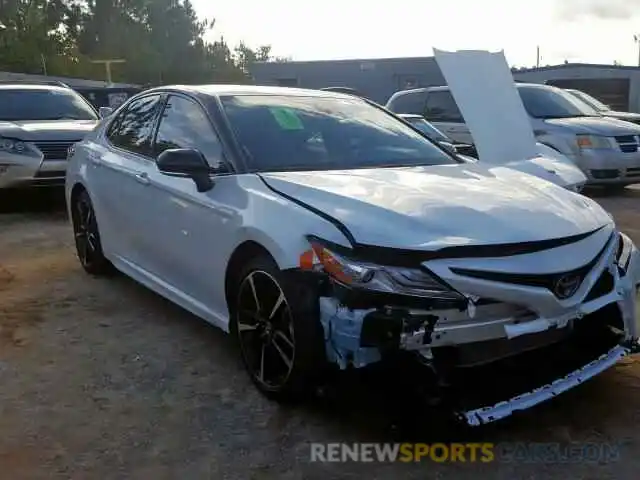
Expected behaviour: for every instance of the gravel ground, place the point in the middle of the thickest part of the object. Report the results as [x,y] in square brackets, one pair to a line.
[103,379]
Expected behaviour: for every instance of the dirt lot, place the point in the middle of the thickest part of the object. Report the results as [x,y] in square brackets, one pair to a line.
[103,379]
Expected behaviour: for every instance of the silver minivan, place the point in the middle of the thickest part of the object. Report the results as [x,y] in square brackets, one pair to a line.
[606,149]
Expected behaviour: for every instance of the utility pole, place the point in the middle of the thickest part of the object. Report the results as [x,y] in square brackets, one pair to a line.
[107,66]
[538,56]
[636,38]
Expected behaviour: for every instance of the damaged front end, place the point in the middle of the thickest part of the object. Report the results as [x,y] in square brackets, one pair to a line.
[491,355]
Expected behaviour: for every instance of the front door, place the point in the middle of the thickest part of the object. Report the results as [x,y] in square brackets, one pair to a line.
[191,231]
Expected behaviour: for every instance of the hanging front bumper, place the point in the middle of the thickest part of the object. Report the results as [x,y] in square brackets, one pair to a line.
[480,416]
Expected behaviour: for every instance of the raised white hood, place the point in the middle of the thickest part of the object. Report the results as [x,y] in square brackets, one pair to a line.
[482,85]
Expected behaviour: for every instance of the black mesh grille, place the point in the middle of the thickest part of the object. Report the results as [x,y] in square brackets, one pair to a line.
[55,150]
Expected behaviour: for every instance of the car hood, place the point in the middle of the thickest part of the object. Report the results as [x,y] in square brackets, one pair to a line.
[626,116]
[491,108]
[555,170]
[605,126]
[35,130]
[433,207]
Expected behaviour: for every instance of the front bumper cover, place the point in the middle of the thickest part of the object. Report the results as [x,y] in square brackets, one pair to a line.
[541,394]
[356,336]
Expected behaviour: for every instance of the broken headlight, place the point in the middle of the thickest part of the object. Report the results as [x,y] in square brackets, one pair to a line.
[623,254]
[378,278]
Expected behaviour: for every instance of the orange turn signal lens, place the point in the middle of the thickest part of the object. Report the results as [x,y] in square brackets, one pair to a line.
[584,142]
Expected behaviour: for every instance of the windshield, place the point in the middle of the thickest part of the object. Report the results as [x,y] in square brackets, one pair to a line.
[43,104]
[286,133]
[429,130]
[550,102]
[592,101]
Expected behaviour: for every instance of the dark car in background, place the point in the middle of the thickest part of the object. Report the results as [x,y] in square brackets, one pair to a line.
[436,135]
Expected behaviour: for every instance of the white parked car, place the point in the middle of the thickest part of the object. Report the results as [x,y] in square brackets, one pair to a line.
[321,230]
[38,124]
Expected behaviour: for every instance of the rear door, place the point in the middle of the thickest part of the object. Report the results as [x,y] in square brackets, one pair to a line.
[121,176]
[441,110]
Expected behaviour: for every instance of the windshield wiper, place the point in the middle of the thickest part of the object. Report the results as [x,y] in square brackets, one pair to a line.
[580,115]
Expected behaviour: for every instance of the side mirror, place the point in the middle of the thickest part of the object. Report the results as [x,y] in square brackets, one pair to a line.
[449,147]
[187,162]
[104,112]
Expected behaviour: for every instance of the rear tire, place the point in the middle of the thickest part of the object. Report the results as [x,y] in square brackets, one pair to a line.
[275,322]
[87,236]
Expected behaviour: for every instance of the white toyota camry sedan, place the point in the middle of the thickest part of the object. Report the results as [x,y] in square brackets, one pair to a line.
[321,231]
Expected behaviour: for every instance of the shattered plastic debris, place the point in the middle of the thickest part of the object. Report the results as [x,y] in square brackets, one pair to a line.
[342,329]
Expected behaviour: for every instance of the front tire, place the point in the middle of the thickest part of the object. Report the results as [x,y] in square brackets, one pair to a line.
[276,325]
[87,236]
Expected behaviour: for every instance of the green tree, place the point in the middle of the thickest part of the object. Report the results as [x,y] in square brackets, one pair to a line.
[162,41]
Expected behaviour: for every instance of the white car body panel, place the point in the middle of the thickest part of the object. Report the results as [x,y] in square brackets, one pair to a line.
[179,242]
[482,85]
[148,218]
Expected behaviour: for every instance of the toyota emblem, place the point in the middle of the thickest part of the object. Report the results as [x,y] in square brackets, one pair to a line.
[566,286]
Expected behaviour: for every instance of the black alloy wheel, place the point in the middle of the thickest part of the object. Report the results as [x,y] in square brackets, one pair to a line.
[265,330]
[277,327]
[87,236]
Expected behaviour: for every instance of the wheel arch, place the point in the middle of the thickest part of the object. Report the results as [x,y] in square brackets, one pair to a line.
[243,253]
[283,247]
[77,188]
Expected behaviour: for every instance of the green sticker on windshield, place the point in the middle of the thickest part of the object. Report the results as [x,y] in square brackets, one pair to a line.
[287,118]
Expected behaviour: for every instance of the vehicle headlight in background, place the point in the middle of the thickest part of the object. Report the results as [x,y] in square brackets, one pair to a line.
[377,278]
[12,146]
[593,142]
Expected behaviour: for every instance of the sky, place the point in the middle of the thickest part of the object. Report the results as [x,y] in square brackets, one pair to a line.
[592,31]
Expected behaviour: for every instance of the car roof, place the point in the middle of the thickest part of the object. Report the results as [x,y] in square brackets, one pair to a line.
[446,87]
[32,86]
[219,90]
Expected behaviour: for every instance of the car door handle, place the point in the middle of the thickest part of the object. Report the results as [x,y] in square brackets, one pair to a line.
[142,178]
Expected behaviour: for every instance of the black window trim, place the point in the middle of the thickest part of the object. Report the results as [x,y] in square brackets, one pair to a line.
[123,111]
[167,96]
